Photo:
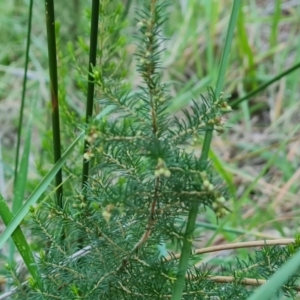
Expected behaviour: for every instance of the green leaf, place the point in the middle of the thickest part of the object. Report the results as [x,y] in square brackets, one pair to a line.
[21,180]
[19,190]
[36,194]
[19,240]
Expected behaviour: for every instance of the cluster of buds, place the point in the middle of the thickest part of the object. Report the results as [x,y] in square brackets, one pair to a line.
[162,169]
[218,123]
[196,140]
[88,155]
[80,203]
[96,74]
[92,135]
[146,58]
[146,28]
[91,138]
[159,97]
[219,208]
[145,24]
[218,203]
[224,107]
[218,108]
[208,186]
[107,212]
[222,104]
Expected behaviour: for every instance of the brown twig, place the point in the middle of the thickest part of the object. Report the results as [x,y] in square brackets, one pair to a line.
[244,281]
[151,220]
[260,243]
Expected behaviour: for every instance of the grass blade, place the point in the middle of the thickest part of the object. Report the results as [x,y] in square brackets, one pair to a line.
[219,164]
[246,51]
[190,227]
[265,85]
[23,89]
[36,194]
[20,181]
[19,240]
[267,290]
[275,23]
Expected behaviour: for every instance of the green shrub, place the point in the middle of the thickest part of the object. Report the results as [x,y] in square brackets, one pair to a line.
[130,231]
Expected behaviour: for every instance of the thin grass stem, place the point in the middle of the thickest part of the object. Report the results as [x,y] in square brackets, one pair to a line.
[51,41]
[190,227]
[23,90]
[91,84]
[235,103]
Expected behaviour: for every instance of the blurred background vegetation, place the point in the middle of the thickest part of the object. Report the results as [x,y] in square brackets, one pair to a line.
[259,153]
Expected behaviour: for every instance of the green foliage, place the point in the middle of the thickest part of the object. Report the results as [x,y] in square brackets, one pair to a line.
[145,181]
[142,181]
